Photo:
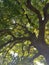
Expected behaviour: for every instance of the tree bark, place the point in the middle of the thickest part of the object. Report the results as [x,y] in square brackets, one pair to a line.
[41,35]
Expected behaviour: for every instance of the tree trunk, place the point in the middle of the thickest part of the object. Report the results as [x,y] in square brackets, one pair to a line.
[47,58]
[44,50]
[41,36]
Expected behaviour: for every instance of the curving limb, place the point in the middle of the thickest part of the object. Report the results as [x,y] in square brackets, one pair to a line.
[32,8]
[15,39]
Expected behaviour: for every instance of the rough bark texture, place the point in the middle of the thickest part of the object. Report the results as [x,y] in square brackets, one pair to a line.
[40,43]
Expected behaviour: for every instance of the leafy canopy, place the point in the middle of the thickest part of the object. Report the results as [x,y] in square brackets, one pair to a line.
[15,22]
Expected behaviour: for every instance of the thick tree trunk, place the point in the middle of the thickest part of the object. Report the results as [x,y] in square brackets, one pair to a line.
[45,53]
[43,50]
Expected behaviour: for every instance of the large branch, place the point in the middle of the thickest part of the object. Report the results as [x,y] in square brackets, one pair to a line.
[32,36]
[12,45]
[42,24]
[33,9]
[46,14]
[6,43]
[15,39]
[4,31]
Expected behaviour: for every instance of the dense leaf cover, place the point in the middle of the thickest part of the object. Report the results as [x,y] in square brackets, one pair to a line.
[24,29]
